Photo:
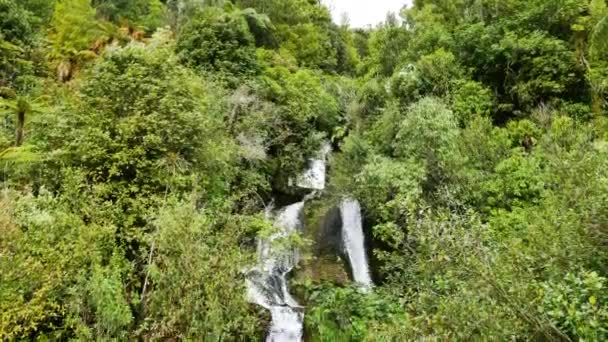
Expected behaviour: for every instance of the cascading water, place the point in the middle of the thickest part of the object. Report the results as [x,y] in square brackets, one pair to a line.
[314,176]
[286,324]
[354,242]
[267,284]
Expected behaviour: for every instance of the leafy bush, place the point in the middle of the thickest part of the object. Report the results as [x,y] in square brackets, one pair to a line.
[195,269]
[61,253]
[347,314]
[141,125]
[16,23]
[577,305]
[216,40]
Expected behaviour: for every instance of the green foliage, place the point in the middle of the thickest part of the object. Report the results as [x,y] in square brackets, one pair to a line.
[16,23]
[139,108]
[517,182]
[18,111]
[372,99]
[348,58]
[437,74]
[471,99]
[196,267]
[139,131]
[43,9]
[473,133]
[220,41]
[108,300]
[260,25]
[11,62]
[76,29]
[72,35]
[598,69]
[427,131]
[60,253]
[306,113]
[347,314]
[599,32]
[466,218]
[504,47]
[289,12]
[17,35]
[578,305]
[386,47]
[148,14]
[534,55]
[430,28]
[303,29]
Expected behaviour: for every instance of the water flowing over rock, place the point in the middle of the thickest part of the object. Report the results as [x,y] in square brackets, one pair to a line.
[286,324]
[354,242]
[267,283]
[314,177]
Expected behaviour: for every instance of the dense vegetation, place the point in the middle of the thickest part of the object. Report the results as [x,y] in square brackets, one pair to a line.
[143,139]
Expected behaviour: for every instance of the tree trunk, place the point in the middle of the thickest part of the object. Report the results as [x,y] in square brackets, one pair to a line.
[20,127]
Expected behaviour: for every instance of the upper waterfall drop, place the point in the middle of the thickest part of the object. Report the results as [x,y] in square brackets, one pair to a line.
[314,177]
[354,242]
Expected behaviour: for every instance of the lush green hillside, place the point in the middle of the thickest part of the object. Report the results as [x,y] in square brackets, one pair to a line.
[142,140]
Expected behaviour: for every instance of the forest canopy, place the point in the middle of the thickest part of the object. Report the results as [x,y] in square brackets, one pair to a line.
[143,141]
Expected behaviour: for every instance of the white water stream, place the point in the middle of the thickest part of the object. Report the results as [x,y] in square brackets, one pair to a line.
[267,283]
[354,242]
[314,177]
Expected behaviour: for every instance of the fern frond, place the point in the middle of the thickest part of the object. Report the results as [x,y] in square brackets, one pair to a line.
[4,45]
[19,155]
[599,36]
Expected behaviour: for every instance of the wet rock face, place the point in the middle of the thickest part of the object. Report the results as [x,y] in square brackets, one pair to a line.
[283,199]
[329,236]
[332,262]
[325,262]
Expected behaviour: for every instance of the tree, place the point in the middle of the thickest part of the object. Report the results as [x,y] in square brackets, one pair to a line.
[387,45]
[17,35]
[20,108]
[144,14]
[16,23]
[217,40]
[304,30]
[43,9]
[598,68]
[74,28]
[196,271]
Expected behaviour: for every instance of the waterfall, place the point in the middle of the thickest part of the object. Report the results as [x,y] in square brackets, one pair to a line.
[267,283]
[354,242]
[286,324]
[314,176]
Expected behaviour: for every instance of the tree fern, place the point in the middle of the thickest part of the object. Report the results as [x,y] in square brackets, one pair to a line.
[74,28]
[599,37]
[599,33]
[21,108]
[19,155]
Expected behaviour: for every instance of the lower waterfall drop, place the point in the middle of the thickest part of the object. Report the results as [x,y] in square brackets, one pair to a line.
[354,242]
[267,283]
